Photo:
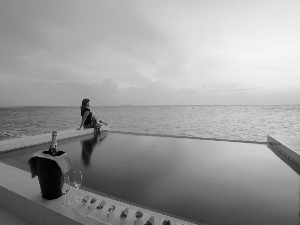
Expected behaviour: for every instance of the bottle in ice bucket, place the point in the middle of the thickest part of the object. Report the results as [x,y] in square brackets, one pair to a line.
[53,147]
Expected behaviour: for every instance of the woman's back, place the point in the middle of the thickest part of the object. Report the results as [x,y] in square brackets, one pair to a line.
[89,117]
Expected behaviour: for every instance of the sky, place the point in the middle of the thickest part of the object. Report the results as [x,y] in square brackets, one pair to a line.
[149,52]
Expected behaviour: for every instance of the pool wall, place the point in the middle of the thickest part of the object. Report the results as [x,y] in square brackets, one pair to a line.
[20,194]
[289,153]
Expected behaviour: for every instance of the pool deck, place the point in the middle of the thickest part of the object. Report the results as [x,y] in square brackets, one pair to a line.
[8,218]
[21,201]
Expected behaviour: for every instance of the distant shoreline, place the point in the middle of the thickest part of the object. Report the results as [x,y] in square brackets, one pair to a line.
[141,105]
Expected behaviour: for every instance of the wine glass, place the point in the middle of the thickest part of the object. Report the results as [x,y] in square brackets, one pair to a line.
[91,203]
[77,180]
[138,216]
[124,214]
[110,210]
[65,188]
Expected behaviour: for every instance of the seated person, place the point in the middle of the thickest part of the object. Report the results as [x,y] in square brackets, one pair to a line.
[89,119]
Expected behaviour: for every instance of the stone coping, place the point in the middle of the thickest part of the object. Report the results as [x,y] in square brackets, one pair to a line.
[26,141]
[288,152]
[290,141]
[8,218]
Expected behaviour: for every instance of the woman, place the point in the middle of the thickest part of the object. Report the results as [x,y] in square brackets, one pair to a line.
[89,119]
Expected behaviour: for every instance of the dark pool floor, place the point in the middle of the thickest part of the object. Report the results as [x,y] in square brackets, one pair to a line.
[213,182]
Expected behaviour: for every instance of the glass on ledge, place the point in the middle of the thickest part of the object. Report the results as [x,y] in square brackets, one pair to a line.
[65,188]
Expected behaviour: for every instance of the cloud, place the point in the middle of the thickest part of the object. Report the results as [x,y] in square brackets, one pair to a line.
[91,40]
[40,92]
[23,25]
[148,52]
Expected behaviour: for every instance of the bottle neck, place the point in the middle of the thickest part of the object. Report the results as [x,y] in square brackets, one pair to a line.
[53,147]
[54,142]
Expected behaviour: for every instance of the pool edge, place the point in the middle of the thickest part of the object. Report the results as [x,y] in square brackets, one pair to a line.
[283,149]
[29,141]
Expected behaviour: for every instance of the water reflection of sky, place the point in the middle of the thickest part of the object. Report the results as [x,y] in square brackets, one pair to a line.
[206,181]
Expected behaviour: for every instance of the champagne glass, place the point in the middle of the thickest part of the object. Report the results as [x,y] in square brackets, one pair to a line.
[138,216]
[110,210]
[91,203]
[77,180]
[65,188]
[151,221]
[124,214]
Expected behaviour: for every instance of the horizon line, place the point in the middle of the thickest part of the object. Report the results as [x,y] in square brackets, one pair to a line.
[131,105]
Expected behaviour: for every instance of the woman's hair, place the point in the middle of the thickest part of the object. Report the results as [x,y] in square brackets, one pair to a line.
[84,103]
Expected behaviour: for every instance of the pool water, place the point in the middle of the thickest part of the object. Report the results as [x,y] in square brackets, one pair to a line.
[212,182]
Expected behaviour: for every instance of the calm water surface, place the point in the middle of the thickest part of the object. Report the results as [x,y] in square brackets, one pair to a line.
[205,181]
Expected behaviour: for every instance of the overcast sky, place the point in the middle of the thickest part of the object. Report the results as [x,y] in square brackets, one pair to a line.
[149,52]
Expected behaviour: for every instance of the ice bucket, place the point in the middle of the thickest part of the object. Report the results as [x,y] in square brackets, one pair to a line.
[49,175]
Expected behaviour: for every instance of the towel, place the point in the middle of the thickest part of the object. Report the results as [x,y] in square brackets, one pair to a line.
[63,161]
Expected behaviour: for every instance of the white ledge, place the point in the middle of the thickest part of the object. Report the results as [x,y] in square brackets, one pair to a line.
[26,141]
[289,153]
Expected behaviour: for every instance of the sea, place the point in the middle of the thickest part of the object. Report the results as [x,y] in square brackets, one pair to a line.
[240,123]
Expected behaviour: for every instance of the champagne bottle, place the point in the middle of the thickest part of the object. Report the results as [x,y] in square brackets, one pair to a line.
[53,147]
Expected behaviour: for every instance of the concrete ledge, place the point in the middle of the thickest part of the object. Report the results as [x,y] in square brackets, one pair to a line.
[20,194]
[12,144]
[292,155]
[8,218]
[291,141]
[27,141]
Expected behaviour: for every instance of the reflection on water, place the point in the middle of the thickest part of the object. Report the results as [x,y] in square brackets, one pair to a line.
[205,181]
[218,183]
[88,146]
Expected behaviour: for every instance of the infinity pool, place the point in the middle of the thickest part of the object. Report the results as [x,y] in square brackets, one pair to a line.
[213,182]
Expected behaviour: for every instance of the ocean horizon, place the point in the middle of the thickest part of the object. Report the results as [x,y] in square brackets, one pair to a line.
[132,105]
[230,122]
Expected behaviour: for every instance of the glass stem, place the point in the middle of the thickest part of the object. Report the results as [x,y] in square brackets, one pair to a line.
[77,191]
[66,197]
